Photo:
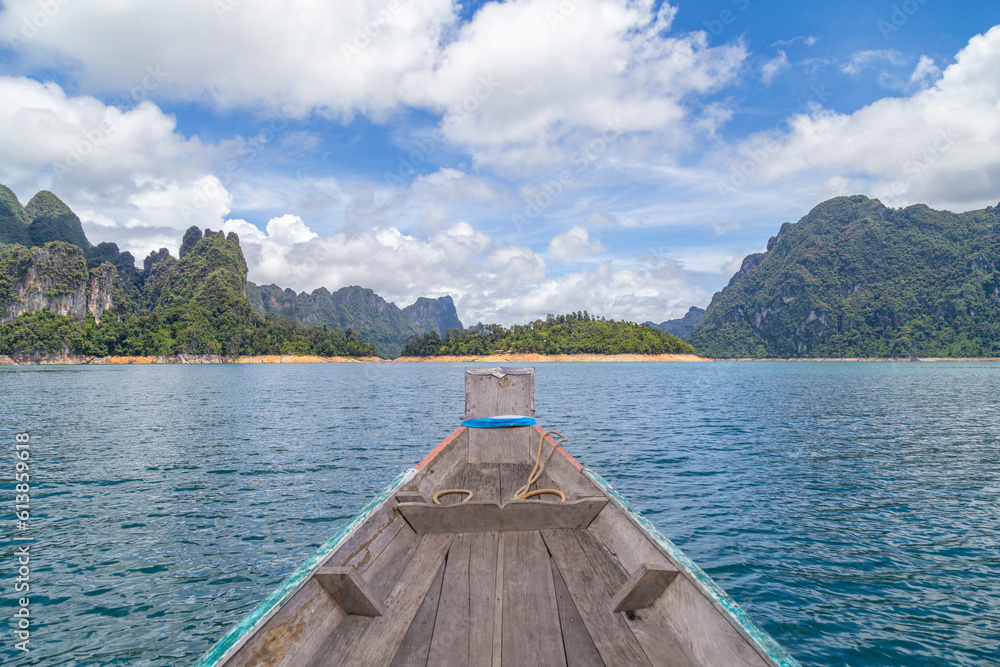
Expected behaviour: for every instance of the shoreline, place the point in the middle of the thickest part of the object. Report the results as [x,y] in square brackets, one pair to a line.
[552,358]
[865,359]
[82,360]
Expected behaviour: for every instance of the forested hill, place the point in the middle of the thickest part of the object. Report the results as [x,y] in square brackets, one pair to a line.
[854,278]
[576,333]
[199,302]
[51,303]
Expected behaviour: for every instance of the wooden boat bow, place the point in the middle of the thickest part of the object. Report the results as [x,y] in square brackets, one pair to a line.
[497,579]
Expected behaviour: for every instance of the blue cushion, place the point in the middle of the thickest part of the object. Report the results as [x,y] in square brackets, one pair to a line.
[502,421]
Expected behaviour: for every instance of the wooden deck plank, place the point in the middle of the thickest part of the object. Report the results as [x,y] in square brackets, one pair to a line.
[385,571]
[360,640]
[499,445]
[498,603]
[660,644]
[579,645]
[416,644]
[482,591]
[531,634]
[483,479]
[450,643]
[512,477]
[592,576]
[454,480]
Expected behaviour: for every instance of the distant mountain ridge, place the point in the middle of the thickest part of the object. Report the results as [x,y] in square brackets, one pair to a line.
[682,327]
[854,278]
[383,324]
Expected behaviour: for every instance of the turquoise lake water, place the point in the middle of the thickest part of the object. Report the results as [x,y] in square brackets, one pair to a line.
[851,508]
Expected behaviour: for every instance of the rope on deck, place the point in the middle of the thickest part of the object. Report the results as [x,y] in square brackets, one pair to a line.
[523,493]
[537,471]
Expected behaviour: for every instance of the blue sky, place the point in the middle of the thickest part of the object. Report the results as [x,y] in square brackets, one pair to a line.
[526,157]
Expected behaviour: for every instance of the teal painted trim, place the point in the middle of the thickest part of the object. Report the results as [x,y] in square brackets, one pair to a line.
[720,598]
[287,588]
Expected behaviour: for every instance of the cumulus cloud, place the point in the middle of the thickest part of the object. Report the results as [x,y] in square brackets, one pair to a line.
[526,73]
[939,146]
[490,281]
[128,173]
[654,295]
[573,244]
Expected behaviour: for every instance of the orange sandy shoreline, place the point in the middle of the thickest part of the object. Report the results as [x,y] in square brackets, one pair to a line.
[544,358]
[71,359]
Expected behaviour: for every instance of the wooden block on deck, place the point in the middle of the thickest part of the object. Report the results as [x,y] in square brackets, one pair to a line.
[350,590]
[490,392]
[643,588]
[479,517]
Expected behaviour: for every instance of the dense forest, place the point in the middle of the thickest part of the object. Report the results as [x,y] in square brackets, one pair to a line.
[576,333]
[854,278]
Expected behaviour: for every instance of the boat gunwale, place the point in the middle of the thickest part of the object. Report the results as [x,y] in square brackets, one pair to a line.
[724,603]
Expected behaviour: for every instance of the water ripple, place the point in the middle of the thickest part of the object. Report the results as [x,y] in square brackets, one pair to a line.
[850,508]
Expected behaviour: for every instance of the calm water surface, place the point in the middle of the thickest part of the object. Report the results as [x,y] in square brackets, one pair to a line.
[850,508]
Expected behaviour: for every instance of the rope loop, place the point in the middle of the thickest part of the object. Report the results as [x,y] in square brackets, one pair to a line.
[438,495]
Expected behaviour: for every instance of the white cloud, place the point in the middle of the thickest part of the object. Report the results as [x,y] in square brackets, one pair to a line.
[83,142]
[490,282]
[863,59]
[653,295]
[574,243]
[719,229]
[926,72]
[129,175]
[524,74]
[808,41]
[939,146]
[772,67]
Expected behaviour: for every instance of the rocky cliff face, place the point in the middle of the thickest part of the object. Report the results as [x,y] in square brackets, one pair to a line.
[54,278]
[434,314]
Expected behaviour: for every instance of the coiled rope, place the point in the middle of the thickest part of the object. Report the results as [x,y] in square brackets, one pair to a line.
[537,471]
